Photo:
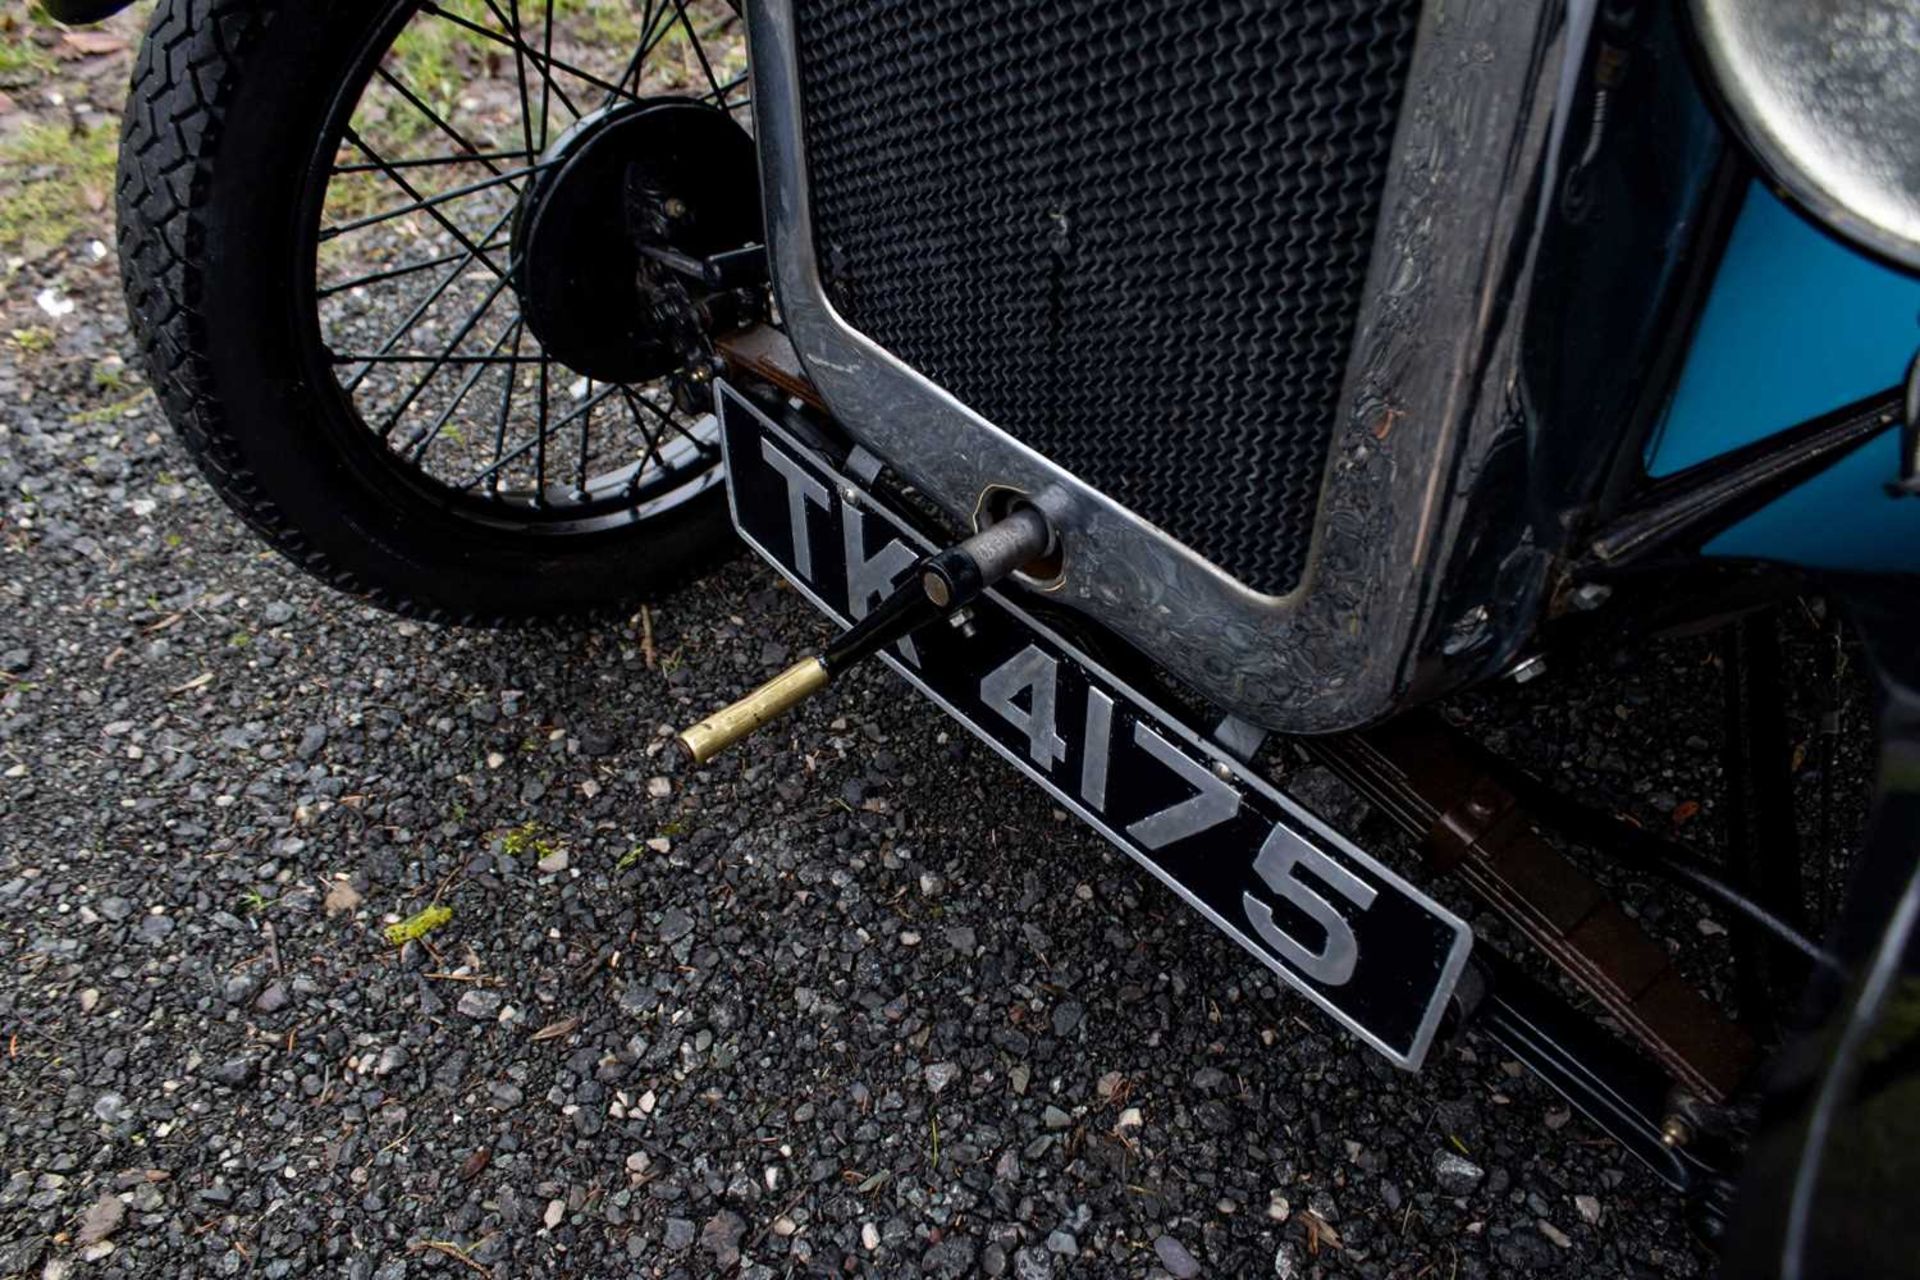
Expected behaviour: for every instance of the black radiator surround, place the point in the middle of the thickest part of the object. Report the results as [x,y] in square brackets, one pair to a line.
[1134,236]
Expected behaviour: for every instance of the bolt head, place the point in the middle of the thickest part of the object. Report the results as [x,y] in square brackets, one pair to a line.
[1529,668]
[1591,595]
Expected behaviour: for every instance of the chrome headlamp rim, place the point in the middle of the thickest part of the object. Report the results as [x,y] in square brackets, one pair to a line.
[1827,102]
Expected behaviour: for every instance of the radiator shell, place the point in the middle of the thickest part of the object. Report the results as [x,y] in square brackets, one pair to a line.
[1135,236]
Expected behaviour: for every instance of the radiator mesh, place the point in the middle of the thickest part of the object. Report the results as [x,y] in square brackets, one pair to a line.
[1132,233]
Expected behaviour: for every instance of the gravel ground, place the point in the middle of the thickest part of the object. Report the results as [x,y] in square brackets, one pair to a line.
[853,1001]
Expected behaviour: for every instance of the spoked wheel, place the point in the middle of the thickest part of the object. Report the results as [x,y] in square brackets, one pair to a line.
[389,260]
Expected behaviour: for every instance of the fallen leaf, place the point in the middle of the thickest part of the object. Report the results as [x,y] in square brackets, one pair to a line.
[554,1030]
[1319,1232]
[418,925]
[475,1164]
[1685,811]
[92,43]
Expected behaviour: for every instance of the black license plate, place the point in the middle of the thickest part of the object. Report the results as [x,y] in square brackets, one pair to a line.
[1356,939]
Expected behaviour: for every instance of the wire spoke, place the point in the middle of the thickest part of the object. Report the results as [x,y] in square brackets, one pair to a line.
[540,430]
[653,439]
[520,74]
[674,424]
[586,423]
[719,96]
[422,162]
[500,426]
[440,362]
[429,202]
[457,358]
[479,370]
[395,273]
[546,67]
[433,295]
[433,117]
[560,424]
[631,71]
[546,83]
[433,212]
[699,49]
[545,63]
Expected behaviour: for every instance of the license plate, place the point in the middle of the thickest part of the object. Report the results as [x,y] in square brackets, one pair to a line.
[1372,951]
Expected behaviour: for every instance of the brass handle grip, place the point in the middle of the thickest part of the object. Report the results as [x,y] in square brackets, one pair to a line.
[777,696]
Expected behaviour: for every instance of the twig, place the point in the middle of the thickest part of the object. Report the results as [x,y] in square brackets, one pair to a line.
[647,654]
[453,1251]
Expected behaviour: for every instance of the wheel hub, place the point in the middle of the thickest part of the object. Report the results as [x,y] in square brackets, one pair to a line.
[676,174]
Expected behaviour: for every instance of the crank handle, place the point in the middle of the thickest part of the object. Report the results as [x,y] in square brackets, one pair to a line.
[938,585]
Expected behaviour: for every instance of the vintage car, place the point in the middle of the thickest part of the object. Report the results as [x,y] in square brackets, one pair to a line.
[1149,382]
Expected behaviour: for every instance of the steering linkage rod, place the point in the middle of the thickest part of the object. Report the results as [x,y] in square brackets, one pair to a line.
[939,585]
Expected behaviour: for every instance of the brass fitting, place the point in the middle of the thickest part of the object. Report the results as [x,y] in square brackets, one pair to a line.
[777,696]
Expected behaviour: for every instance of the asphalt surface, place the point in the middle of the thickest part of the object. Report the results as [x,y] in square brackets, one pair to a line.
[854,1000]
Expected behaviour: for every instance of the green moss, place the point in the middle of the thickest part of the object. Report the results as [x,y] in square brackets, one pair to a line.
[56,173]
[418,925]
[527,840]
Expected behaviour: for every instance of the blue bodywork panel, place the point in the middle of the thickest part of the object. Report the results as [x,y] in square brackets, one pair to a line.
[1796,325]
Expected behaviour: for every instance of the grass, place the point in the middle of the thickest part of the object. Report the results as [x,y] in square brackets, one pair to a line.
[110,412]
[435,60]
[21,60]
[51,178]
[33,340]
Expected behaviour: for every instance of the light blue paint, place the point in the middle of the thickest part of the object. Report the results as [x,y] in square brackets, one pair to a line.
[1798,325]
[1840,519]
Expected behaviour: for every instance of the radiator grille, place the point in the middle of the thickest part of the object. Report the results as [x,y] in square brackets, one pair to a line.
[1131,233]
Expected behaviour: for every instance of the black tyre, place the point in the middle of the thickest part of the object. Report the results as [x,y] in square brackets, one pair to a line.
[320,211]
